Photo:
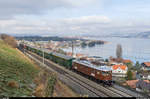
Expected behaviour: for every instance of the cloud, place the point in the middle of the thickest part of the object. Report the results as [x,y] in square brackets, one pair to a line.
[11,8]
[83,24]
[66,17]
[96,25]
[88,20]
[66,25]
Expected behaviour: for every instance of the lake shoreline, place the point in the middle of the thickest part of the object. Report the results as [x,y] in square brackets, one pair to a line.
[133,49]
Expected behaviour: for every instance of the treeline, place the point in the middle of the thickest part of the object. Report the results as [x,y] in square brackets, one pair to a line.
[39,38]
[9,40]
[92,43]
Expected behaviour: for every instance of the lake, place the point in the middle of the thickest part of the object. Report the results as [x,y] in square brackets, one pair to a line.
[135,49]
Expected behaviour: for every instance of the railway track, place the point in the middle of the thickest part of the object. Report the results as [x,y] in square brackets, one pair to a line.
[98,90]
[88,87]
[79,82]
[119,92]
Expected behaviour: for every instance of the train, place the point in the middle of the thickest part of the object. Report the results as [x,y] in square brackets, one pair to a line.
[100,74]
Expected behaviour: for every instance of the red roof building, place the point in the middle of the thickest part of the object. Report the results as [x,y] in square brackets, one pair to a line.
[146,66]
[132,83]
[127,61]
[119,70]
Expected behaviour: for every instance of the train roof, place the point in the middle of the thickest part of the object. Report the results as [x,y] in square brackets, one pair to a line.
[62,56]
[47,51]
[53,53]
[88,64]
[42,49]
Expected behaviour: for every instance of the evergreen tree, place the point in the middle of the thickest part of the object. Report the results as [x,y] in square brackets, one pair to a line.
[129,75]
[106,60]
[137,65]
[119,51]
[129,65]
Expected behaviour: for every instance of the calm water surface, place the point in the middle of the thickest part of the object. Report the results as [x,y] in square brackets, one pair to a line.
[135,49]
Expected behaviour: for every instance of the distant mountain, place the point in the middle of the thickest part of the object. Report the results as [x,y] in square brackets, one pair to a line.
[40,38]
[132,35]
[143,35]
[122,35]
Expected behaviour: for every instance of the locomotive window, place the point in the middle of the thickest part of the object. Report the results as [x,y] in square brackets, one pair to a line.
[105,73]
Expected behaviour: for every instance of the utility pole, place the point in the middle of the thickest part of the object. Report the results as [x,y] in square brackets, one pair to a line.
[72,49]
[23,47]
[43,55]
[42,48]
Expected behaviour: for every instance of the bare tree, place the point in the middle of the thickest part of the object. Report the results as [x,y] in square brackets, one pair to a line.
[119,51]
[9,40]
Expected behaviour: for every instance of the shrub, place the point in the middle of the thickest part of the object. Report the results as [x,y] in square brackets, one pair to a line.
[129,75]
[9,40]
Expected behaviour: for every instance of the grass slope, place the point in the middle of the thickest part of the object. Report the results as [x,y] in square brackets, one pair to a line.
[16,73]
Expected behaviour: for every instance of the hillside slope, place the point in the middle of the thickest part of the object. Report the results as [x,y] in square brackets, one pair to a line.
[16,73]
[22,77]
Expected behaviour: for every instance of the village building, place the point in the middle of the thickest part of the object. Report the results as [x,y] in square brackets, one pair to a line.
[115,61]
[145,66]
[139,85]
[111,63]
[118,60]
[78,55]
[69,53]
[146,76]
[126,61]
[143,75]
[143,86]
[131,83]
[119,70]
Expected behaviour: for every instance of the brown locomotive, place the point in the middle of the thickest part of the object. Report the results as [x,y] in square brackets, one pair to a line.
[102,74]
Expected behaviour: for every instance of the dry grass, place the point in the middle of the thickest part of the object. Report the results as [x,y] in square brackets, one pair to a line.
[25,57]
[41,82]
[13,84]
[44,86]
[39,92]
[61,90]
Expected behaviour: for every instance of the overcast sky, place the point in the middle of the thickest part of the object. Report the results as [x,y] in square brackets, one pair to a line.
[69,17]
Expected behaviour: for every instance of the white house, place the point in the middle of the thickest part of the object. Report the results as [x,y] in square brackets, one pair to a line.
[145,76]
[119,70]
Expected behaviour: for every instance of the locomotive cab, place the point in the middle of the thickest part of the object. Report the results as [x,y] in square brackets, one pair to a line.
[106,75]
